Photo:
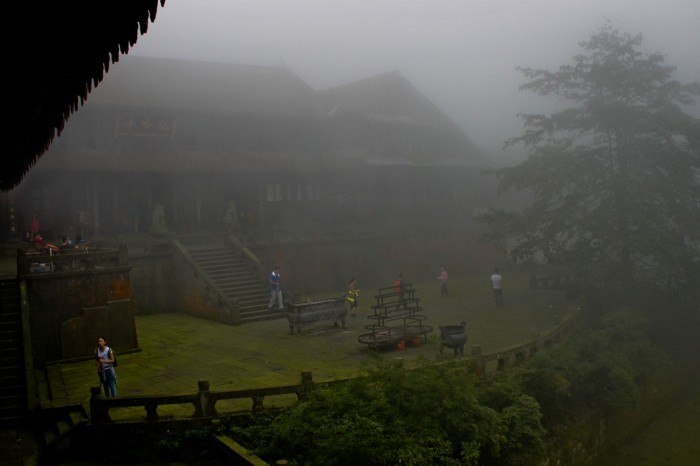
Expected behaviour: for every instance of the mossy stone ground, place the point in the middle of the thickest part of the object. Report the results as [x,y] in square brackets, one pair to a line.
[178,350]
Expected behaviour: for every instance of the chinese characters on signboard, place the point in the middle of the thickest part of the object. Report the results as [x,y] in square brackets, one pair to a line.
[145,125]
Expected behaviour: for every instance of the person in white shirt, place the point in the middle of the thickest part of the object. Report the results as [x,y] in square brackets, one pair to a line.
[497,287]
[104,358]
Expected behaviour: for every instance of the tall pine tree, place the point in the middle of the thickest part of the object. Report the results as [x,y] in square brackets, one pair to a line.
[614,176]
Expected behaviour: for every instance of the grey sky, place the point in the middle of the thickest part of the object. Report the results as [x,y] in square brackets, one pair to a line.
[461,54]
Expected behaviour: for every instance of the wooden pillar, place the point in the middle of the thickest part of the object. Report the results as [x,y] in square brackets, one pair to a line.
[198,201]
[149,213]
[116,216]
[173,193]
[94,194]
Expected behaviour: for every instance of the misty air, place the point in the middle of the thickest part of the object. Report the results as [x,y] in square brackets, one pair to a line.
[351,233]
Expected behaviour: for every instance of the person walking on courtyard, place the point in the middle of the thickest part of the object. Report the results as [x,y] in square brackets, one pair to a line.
[399,289]
[104,358]
[443,278]
[351,296]
[275,289]
[497,286]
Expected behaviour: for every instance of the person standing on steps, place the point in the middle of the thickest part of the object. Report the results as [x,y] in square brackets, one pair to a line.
[497,287]
[275,289]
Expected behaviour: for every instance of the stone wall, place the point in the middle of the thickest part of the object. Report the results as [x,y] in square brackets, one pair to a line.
[151,282]
[69,311]
[325,265]
[160,283]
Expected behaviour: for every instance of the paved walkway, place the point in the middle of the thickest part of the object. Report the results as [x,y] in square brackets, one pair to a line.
[178,350]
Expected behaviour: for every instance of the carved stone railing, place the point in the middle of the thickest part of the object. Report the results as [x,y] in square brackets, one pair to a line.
[254,262]
[250,258]
[204,401]
[516,355]
[551,281]
[32,264]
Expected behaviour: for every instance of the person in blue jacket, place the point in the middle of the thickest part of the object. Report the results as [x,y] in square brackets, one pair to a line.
[275,289]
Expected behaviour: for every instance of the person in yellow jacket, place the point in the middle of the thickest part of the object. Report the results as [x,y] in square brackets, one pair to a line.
[351,296]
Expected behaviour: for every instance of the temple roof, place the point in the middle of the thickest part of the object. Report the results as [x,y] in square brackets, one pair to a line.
[206,86]
[384,97]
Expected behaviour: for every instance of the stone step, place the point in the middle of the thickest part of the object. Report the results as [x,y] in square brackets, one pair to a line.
[241,287]
[224,266]
[261,301]
[12,385]
[10,336]
[253,300]
[237,280]
[248,297]
[12,407]
[262,315]
[13,369]
[223,260]
[220,256]
[244,278]
[258,300]
[10,313]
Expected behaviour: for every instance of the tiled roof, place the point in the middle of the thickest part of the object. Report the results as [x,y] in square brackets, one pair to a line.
[198,85]
[384,98]
[165,115]
[87,160]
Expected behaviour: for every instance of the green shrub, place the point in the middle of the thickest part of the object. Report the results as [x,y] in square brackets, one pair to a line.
[441,414]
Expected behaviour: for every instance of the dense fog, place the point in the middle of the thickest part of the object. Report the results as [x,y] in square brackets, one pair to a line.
[461,55]
[257,161]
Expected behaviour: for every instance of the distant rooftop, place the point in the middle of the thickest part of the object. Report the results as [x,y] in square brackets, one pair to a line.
[198,85]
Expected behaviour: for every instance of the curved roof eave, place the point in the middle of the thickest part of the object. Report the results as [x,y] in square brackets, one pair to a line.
[65,50]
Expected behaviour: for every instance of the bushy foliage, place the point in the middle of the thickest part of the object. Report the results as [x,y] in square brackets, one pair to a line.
[442,414]
[546,381]
[613,175]
[395,416]
[601,369]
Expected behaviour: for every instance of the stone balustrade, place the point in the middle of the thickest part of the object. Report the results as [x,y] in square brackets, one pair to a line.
[204,401]
[32,263]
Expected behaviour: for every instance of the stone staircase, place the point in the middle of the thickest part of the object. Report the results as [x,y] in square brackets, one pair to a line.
[237,280]
[57,425]
[13,384]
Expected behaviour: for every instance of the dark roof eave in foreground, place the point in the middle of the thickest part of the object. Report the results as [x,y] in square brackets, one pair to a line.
[51,76]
